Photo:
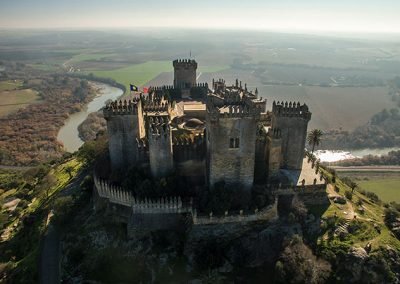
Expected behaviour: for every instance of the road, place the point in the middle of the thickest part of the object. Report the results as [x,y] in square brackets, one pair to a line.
[50,257]
[50,249]
[367,169]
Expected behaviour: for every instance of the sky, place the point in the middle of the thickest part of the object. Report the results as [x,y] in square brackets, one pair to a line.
[363,16]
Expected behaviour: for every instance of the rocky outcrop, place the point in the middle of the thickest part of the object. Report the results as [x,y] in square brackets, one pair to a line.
[244,245]
[379,266]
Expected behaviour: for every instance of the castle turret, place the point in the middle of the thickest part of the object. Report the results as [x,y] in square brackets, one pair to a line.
[291,121]
[160,146]
[231,121]
[185,73]
[124,127]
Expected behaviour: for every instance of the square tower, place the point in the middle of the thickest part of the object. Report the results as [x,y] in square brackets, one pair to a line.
[231,120]
[184,73]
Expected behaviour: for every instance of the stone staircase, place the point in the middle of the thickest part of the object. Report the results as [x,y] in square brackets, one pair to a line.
[342,229]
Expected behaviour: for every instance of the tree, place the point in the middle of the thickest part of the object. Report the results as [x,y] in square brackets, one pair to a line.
[314,138]
[353,185]
[69,170]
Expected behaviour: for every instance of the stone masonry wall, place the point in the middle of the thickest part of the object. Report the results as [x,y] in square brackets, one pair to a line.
[160,151]
[184,73]
[294,132]
[122,132]
[233,165]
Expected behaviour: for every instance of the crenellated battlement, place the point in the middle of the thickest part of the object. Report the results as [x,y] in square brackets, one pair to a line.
[291,109]
[232,111]
[161,88]
[156,106]
[121,108]
[200,85]
[142,143]
[182,141]
[185,63]
[158,130]
[275,133]
[117,195]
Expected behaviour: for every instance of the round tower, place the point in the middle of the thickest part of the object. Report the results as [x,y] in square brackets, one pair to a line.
[184,73]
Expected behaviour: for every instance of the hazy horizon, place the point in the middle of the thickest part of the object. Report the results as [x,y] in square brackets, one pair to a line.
[342,16]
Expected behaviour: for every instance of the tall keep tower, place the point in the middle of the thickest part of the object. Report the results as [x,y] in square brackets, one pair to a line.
[231,119]
[184,73]
[160,146]
[289,122]
[124,127]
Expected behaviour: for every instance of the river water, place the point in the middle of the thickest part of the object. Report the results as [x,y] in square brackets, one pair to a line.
[339,155]
[68,134]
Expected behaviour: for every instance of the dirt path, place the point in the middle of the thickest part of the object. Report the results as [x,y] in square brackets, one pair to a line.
[50,257]
[347,209]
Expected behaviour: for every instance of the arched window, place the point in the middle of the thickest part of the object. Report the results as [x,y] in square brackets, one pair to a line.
[234,143]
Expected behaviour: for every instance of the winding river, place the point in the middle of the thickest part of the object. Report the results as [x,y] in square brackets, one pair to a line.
[68,134]
[339,155]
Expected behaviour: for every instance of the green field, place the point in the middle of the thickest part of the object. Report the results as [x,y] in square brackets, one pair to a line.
[137,74]
[10,85]
[89,56]
[46,66]
[388,189]
[12,98]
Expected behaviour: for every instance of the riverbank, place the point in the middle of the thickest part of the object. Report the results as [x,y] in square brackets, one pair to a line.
[330,156]
[69,134]
[29,136]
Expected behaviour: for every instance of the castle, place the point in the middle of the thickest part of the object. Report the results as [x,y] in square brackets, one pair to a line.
[210,133]
[206,135]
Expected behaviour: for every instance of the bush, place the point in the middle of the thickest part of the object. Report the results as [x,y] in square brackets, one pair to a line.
[391,214]
[298,264]
[348,194]
[62,208]
[372,196]
[87,183]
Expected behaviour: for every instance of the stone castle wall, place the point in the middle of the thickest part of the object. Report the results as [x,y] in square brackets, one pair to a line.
[292,121]
[125,128]
[122,133]
[233,165]
[160,151]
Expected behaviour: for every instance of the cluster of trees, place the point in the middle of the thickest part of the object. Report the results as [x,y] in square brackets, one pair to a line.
[392,158]
[92,125]
[298,264]
[140,182]
[29,136]
[392,218]
[381,131]
[92,77]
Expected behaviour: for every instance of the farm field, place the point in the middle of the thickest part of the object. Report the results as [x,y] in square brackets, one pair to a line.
[333,107]
[10,85]
[388,189]
[12,98]
[385,184]
[282,66]
[137,74]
